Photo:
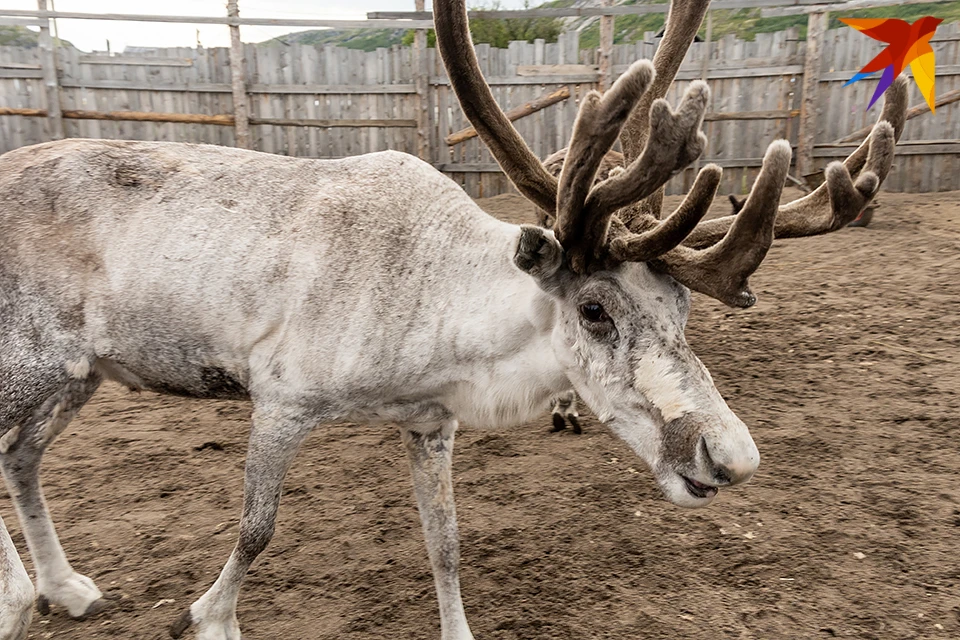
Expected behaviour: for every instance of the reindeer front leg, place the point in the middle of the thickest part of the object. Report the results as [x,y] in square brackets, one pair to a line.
[275,438]
[431,458]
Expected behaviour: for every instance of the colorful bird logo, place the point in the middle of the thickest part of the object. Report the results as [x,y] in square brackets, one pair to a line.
[908,44]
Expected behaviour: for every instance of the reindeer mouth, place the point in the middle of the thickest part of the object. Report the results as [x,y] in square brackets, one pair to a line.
[698,489]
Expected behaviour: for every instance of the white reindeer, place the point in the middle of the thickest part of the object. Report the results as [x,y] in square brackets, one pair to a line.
[373,289]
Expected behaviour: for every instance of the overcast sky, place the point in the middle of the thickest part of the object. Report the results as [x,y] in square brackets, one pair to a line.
[89,34]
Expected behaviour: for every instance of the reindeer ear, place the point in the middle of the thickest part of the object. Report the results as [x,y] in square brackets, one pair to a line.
[540,255]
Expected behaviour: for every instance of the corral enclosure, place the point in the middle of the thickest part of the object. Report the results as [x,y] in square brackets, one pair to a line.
[846,372]
[330,102]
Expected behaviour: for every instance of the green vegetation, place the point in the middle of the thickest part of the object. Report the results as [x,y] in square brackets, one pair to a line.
[17,36]
[499,33]
[744,24]
[365,39]
[747,23]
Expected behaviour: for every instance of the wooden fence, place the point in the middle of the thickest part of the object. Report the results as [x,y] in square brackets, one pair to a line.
[329,102]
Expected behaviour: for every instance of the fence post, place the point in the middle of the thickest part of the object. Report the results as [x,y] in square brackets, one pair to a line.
[422,83]
[807,135]
[707,44]
[51,83]
[241,112]
[606,48]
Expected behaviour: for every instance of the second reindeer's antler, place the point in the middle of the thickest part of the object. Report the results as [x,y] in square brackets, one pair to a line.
[618,219]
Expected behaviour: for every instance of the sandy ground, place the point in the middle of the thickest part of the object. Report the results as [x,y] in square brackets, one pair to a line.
[846,371]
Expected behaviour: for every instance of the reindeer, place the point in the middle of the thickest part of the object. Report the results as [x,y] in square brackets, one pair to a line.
[373,289]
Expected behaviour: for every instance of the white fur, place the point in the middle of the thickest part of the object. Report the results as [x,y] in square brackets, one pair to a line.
[16,591]
[9,439]
[79,369]
[662,385]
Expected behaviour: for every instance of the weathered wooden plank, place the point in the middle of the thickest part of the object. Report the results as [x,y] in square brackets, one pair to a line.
[48,63]
[18,65]
[515,80]
[21,74]
[850,5]
[240,22]
[139,61]
[583,12]
[835,76]
[903,148]
[536,70]
[756,72]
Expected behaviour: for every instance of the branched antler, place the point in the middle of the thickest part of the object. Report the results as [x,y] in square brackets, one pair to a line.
[721,270]
[601,221]
[840,199]
[584,216]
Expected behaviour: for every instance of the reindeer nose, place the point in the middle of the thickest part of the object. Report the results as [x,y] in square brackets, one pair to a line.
[732,462]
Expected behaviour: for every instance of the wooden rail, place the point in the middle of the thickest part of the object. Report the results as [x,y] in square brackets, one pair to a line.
[224,119]
[238,22]
[514,114]
[918,110]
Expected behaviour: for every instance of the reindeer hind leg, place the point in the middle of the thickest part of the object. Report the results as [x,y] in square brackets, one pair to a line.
[21,452]
[565,410]
[32,369]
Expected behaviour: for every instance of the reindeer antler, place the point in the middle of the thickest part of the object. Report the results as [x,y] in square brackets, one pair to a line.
[513,155]
[617,219]
[583,210]
[734,246]
[839,200]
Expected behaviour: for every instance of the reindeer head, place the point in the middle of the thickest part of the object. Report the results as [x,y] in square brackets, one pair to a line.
[621,273]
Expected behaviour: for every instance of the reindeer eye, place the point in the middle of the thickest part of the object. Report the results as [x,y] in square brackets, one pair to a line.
[593,312]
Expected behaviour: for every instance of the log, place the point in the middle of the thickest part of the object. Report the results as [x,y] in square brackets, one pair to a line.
[724,116]
[516,113]
[226,120]
[342,123]
[917,110]
[145,116]
[33,113]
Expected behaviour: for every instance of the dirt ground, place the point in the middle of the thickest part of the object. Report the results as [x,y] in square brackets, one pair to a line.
[847,372]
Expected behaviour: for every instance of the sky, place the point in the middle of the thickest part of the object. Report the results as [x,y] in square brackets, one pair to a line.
[92,35]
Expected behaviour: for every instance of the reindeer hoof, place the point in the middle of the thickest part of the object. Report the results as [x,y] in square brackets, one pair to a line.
[575,424]
[558,423]
[96,607]
[863,219]
[182,624]
[43,605]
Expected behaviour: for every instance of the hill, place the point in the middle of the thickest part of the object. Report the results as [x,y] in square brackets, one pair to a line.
[745,24]
[365,39]
[16,36]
